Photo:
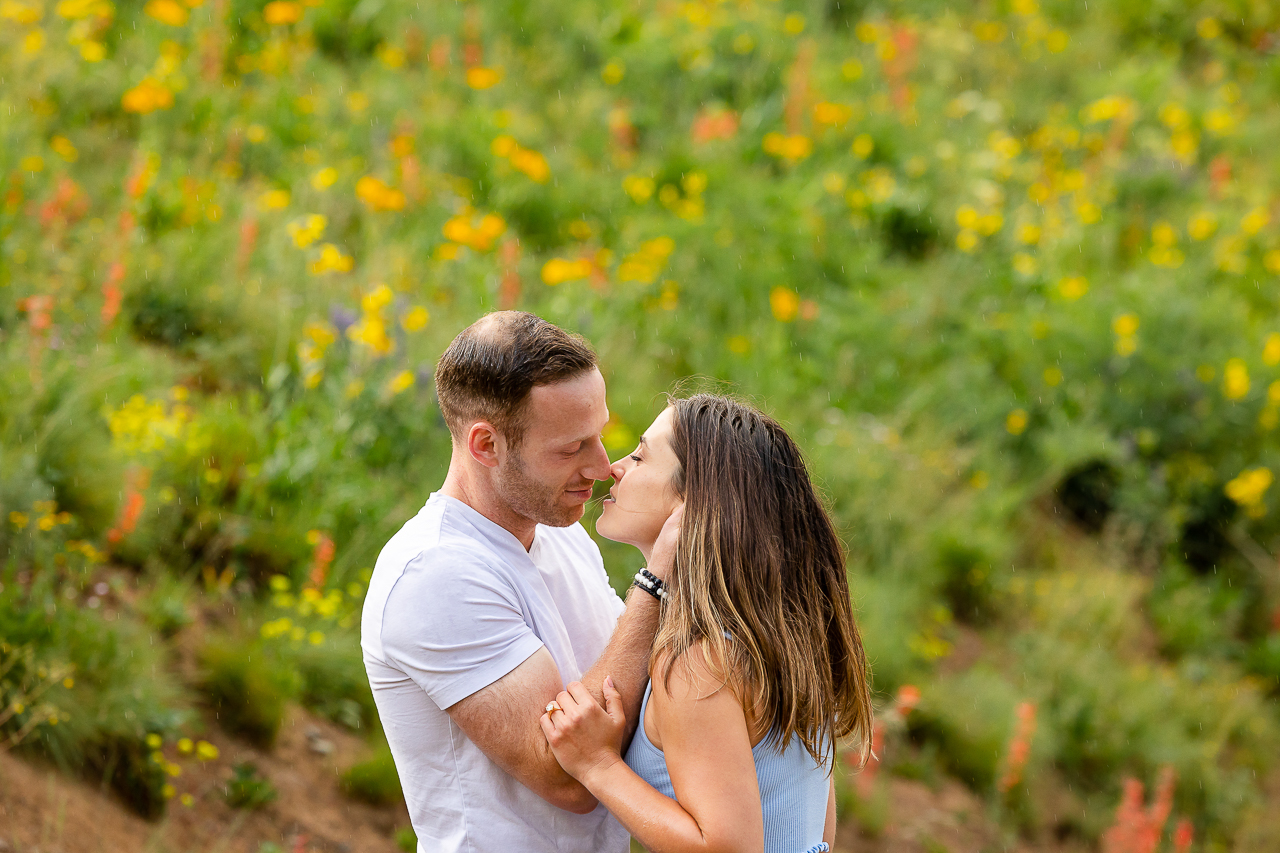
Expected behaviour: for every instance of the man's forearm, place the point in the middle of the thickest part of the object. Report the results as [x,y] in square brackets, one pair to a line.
[626,661]
[626,658]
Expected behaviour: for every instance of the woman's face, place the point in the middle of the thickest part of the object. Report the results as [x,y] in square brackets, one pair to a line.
[642,496]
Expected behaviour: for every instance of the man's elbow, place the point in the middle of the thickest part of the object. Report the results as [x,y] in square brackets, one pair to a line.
[571,797]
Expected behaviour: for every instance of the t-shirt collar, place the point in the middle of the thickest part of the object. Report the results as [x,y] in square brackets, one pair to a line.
[491,530]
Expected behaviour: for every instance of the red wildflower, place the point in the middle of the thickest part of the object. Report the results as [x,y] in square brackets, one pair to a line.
[714,124]
[111,293]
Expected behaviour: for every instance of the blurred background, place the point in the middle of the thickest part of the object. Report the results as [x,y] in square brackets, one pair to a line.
[1008,271]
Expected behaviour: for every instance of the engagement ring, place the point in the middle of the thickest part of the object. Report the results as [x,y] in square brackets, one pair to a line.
[553,705]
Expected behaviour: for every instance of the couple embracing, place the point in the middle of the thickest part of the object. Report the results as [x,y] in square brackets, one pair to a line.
[528,708]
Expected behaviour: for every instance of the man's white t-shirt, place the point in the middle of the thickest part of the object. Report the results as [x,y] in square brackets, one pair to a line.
[454,604]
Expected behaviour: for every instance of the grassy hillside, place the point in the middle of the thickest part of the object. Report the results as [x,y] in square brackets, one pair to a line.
[1008,271]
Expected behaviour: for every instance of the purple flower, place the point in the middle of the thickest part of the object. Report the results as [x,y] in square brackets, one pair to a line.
[341,317]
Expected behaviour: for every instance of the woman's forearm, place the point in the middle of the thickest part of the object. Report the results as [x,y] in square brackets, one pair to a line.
[658,822]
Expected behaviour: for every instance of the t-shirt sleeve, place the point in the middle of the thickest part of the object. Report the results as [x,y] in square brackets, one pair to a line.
[455,626]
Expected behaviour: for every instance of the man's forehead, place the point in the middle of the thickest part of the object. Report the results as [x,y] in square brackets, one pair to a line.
[570,410]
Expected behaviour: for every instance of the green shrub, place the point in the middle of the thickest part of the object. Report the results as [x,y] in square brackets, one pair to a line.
[334,682]
[248,687]
[167,605]
[101,696]
[249,789]
[406,839]
[970,717]
[374,781]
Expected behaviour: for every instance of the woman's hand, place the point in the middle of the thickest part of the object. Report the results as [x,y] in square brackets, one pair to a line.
[583,736]
[663,556]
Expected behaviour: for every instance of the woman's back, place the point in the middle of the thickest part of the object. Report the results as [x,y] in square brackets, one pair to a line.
[793,787]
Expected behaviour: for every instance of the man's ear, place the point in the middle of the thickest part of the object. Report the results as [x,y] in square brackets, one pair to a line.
[485,443]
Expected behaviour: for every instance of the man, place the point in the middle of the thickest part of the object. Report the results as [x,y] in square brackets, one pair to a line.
[492,598]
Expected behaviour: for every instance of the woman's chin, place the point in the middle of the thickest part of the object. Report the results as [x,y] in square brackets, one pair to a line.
[605,523]
[612,526]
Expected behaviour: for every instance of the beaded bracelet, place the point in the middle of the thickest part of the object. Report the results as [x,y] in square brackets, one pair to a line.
[650,583]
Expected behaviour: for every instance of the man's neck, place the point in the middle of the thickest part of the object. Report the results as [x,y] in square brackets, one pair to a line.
[474,491]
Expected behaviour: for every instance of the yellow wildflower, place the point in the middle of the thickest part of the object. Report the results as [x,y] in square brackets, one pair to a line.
[306,231]
[559,270]
[378,196]
[1208,28]
[147,97]
[1249,486]
[792,148]
[1016,422]
[483,78]
[416,319]
[532,164]
[331,260]
[282,12]
[639,187]
[1255,220]
[167,12]
[274,200]
[831,114]
[1073,288]
[784,303]
[401,382]
[65,149]
[324,178]
[613,72]
[1202,226]
[1271,350]
[1235,379]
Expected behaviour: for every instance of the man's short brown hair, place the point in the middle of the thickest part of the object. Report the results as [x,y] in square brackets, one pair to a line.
[493,364]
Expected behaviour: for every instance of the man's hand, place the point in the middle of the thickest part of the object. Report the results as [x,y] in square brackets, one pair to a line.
[583,736]
[663,556]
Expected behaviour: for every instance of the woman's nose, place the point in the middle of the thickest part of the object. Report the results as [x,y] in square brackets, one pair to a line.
[616,470]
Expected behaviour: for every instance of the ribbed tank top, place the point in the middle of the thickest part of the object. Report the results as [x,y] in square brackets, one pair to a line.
[793,788]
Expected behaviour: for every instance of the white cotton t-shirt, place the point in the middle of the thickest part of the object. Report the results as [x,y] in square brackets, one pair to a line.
[454,604]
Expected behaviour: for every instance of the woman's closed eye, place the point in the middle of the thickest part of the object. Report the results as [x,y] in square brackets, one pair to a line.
[634,458]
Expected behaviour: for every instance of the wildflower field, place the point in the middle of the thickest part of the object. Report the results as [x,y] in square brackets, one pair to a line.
[1009,271]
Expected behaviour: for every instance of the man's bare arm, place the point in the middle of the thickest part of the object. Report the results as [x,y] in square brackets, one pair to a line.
[502,719]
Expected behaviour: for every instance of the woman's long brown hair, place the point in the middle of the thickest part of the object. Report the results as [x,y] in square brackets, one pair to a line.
[760,561]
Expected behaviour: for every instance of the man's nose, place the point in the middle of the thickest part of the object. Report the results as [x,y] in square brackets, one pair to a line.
[598,467]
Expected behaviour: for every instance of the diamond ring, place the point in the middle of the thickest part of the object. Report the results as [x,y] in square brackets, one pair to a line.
[553,705]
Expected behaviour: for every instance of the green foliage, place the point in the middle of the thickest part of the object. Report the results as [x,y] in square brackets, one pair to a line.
[87,685]
[970,717]
[374,781]
[167,606]
[406,839]
[248,788]
[334,683]
[1004,272]
[248,686]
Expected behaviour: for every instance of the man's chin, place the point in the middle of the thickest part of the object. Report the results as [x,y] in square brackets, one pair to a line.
[564,516]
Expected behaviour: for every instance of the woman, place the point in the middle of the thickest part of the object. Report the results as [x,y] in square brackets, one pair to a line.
[757,666]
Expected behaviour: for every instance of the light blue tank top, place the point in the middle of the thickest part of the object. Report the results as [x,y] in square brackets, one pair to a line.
[793,788]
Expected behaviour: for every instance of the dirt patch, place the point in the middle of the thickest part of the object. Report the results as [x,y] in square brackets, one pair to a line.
[44,811]
[942,818]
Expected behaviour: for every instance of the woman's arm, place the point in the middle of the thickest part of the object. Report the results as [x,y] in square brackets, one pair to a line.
[704,737]
[829,830]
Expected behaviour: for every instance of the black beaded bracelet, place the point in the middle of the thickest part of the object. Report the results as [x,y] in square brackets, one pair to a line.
[639,585]
[650,583]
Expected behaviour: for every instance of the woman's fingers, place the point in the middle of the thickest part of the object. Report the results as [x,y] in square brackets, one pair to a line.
[581,694]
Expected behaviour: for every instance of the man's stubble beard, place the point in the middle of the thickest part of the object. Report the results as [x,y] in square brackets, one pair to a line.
[531,499]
